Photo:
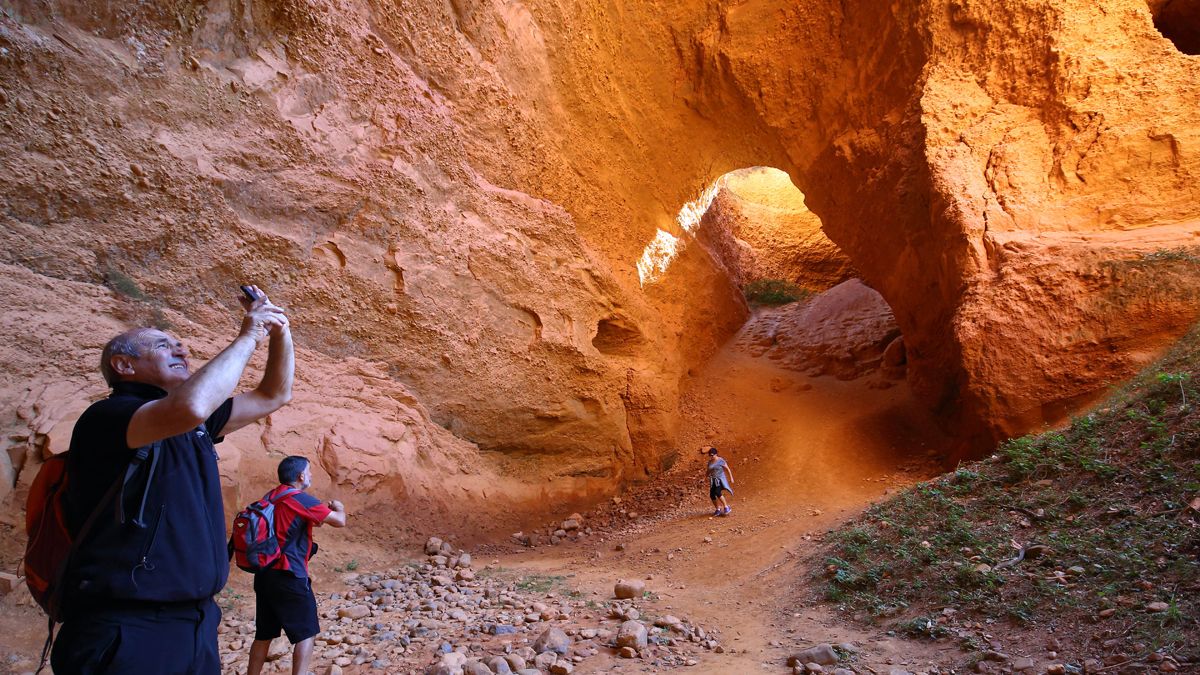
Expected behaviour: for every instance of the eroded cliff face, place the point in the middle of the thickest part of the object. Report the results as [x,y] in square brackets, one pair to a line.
[452,200]
[1013,178]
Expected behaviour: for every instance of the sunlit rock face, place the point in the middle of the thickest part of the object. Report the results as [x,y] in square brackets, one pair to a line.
[460,196]
[1013,178]
[761,230]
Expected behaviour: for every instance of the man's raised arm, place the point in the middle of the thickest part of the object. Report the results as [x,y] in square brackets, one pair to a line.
[275,389]
[189,404]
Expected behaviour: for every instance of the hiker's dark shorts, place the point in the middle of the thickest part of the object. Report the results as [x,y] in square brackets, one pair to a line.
[715,489]
[284,602]
[131,637]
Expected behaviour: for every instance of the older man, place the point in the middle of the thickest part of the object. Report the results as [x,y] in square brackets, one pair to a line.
[143,469]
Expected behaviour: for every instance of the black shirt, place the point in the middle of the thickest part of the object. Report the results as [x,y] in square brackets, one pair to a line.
[177,549]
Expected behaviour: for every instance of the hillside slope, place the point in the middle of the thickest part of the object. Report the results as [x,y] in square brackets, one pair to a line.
[1088,536]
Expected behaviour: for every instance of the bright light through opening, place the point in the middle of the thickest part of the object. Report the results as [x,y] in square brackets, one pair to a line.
[665,247]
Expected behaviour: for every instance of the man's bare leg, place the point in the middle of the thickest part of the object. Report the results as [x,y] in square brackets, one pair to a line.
[301,656]
[258,656]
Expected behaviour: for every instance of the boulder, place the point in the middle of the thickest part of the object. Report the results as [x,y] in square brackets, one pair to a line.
[628,590]
[822,654]
[632,634]
[552,640]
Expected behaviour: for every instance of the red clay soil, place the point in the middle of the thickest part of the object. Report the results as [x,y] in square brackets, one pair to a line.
[806,454]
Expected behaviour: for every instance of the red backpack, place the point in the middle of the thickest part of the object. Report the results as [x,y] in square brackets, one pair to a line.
[253,544]
[50,544]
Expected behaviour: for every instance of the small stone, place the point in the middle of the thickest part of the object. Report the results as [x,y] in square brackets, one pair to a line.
[1157,607]
[821,654]
[627,653]
[499,666]
[632,634]
[1023,663]
[627,590]
[544,660]
[552,640]
[8,583]
[476,668]
[354,612]
[1105,613]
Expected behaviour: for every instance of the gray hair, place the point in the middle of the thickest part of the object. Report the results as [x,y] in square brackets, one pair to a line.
[129,343]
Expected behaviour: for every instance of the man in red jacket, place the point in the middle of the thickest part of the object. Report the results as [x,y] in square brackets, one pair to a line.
[284,599]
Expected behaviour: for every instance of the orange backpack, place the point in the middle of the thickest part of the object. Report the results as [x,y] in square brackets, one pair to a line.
[50,546]
[49,543]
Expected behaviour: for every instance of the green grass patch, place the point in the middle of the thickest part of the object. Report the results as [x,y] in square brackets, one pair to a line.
[123,284]
[774,292]
[1107,499]
[540,583]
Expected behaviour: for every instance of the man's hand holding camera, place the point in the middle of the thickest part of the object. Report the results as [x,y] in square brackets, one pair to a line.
[262,317]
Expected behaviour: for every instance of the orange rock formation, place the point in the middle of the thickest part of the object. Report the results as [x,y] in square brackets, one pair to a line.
[472,209]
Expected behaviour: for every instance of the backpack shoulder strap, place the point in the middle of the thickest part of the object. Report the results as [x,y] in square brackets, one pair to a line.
[283,495]
[116,490]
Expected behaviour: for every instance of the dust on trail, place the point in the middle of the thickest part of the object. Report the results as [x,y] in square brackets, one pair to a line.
[806,454]
[804,459]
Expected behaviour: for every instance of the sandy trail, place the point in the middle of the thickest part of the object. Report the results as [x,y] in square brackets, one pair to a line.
[804,459]
[806,453]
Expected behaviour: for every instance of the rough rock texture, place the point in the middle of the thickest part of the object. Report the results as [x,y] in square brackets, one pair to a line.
[842,332]
[458,196]
[760,228]
[1013,178]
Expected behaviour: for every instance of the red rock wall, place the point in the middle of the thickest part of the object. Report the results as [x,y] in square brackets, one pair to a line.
[457,195]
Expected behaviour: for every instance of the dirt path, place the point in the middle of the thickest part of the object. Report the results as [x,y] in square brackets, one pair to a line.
[806,454]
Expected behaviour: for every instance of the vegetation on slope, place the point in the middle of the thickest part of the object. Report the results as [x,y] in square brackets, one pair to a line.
[1091,534]
[774,292]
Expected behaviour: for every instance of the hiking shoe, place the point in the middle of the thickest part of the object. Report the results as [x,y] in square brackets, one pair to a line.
[717,512]
[727,510]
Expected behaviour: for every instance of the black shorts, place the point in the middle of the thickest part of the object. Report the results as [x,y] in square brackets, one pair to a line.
[715,490]
[284,602]
[133,637]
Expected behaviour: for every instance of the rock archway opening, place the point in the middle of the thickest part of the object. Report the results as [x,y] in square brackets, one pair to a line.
[809,309]
[810,388]
[1179,22]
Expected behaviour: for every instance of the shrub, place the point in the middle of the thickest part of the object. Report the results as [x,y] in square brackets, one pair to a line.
[774,292]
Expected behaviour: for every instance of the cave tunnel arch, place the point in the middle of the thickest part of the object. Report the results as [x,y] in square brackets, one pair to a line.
[1179,22]
[755,227]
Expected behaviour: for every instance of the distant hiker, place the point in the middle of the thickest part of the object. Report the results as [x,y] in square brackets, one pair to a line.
[284,599]
[143,499]
[720,481]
